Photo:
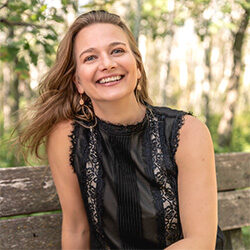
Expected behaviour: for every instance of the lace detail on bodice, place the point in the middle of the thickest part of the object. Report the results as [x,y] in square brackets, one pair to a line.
[92,169]
[176,133]
[119,129]
[168,196]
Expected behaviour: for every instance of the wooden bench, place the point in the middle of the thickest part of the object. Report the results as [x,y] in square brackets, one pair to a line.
[28,191]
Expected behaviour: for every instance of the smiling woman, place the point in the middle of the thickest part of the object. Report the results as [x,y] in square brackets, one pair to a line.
[106,69]
[143,176]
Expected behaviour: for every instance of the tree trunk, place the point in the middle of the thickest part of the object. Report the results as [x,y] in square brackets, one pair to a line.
[226,123]
[170,30]
[13,101]
[137,21]
[16,97]
[6,96]
[207,78]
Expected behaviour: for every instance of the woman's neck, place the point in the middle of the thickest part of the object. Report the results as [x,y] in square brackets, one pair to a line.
[125,112]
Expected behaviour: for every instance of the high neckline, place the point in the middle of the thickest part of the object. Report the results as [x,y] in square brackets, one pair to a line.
[120,129]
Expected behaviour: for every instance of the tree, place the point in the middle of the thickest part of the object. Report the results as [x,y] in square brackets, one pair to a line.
[28,34]
[226,123]
[28,27]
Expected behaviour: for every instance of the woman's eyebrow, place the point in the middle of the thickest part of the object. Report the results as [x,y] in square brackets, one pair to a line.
[116,43]
[110,45]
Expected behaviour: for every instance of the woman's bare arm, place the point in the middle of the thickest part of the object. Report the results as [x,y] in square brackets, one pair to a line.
[75,228]
[196,187]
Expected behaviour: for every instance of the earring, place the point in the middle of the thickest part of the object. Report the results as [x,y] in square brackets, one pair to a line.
[81,102]
[138,87]
[87,114]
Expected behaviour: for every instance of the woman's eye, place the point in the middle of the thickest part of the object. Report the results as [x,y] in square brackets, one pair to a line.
[117,51]
[89,58]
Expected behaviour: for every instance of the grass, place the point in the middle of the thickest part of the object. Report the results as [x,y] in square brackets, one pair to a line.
[246,236]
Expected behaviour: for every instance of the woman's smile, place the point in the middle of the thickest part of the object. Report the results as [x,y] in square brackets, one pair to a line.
[110,80]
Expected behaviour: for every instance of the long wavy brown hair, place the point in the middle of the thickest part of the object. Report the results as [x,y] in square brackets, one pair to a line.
[58,96]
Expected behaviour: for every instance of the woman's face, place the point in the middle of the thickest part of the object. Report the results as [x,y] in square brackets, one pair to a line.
[106,67]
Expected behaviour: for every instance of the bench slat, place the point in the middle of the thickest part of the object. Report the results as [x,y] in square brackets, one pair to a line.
[233,170]
[234,209]
[25,190]
[36,232]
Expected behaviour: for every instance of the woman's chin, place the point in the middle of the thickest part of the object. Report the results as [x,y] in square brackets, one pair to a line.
[113,96]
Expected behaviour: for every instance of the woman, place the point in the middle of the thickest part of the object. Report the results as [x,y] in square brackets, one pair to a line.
[143,177]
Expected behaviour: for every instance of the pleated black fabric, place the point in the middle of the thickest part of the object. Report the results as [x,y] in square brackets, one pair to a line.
[129,211]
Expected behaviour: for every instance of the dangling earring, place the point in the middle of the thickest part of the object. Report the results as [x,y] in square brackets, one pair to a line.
[87,113]
[138,87]
[81,102]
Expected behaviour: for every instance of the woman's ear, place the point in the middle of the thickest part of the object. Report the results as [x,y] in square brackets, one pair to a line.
[78,84]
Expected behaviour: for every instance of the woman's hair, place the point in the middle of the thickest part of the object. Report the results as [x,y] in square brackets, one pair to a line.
[58,96]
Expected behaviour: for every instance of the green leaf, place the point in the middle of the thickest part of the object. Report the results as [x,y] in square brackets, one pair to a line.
[64,2]
[34,31]
[34,17]
[34,57]
[48,61]
[21,65]
[51,37]
[34,2]
[43,8]
[57,18]
[26,46]
[8,52]
[15,18]
[48,48]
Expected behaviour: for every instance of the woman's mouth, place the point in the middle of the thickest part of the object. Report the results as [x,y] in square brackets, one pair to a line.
[108,81]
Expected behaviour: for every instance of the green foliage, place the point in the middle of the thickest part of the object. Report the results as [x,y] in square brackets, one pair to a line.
[245,4]
[27,31]
[246,236]
[98,5]
[240,135]
[26,22]
[8,156]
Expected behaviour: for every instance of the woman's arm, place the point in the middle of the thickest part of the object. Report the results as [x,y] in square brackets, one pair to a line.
[196,187]
[75,228]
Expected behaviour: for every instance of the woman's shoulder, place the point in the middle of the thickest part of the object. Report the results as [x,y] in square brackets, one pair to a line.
[194,129]
[60,133]
[194,140]
[182,128]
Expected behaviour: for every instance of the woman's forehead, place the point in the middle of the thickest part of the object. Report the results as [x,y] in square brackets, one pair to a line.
[98,35]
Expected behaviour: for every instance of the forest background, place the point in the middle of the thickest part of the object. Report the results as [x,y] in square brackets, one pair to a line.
[196,55]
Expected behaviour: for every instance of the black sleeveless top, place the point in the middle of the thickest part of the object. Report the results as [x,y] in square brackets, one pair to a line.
[128,180]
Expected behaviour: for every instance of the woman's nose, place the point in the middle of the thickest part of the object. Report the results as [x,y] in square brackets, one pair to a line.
[107,63]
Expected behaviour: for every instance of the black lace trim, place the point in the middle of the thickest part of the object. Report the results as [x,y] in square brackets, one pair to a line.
[119,129]
[179,122]
[170,173]
[91,178]
[73,141]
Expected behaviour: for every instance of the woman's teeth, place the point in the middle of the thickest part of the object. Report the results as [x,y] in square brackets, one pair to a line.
[110,79]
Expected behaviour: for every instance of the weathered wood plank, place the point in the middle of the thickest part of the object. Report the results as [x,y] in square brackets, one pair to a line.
[233,170]
[25,190]
[234,209]
[36,232]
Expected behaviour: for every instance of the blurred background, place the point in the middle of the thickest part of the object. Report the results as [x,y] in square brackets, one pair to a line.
[196,55]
